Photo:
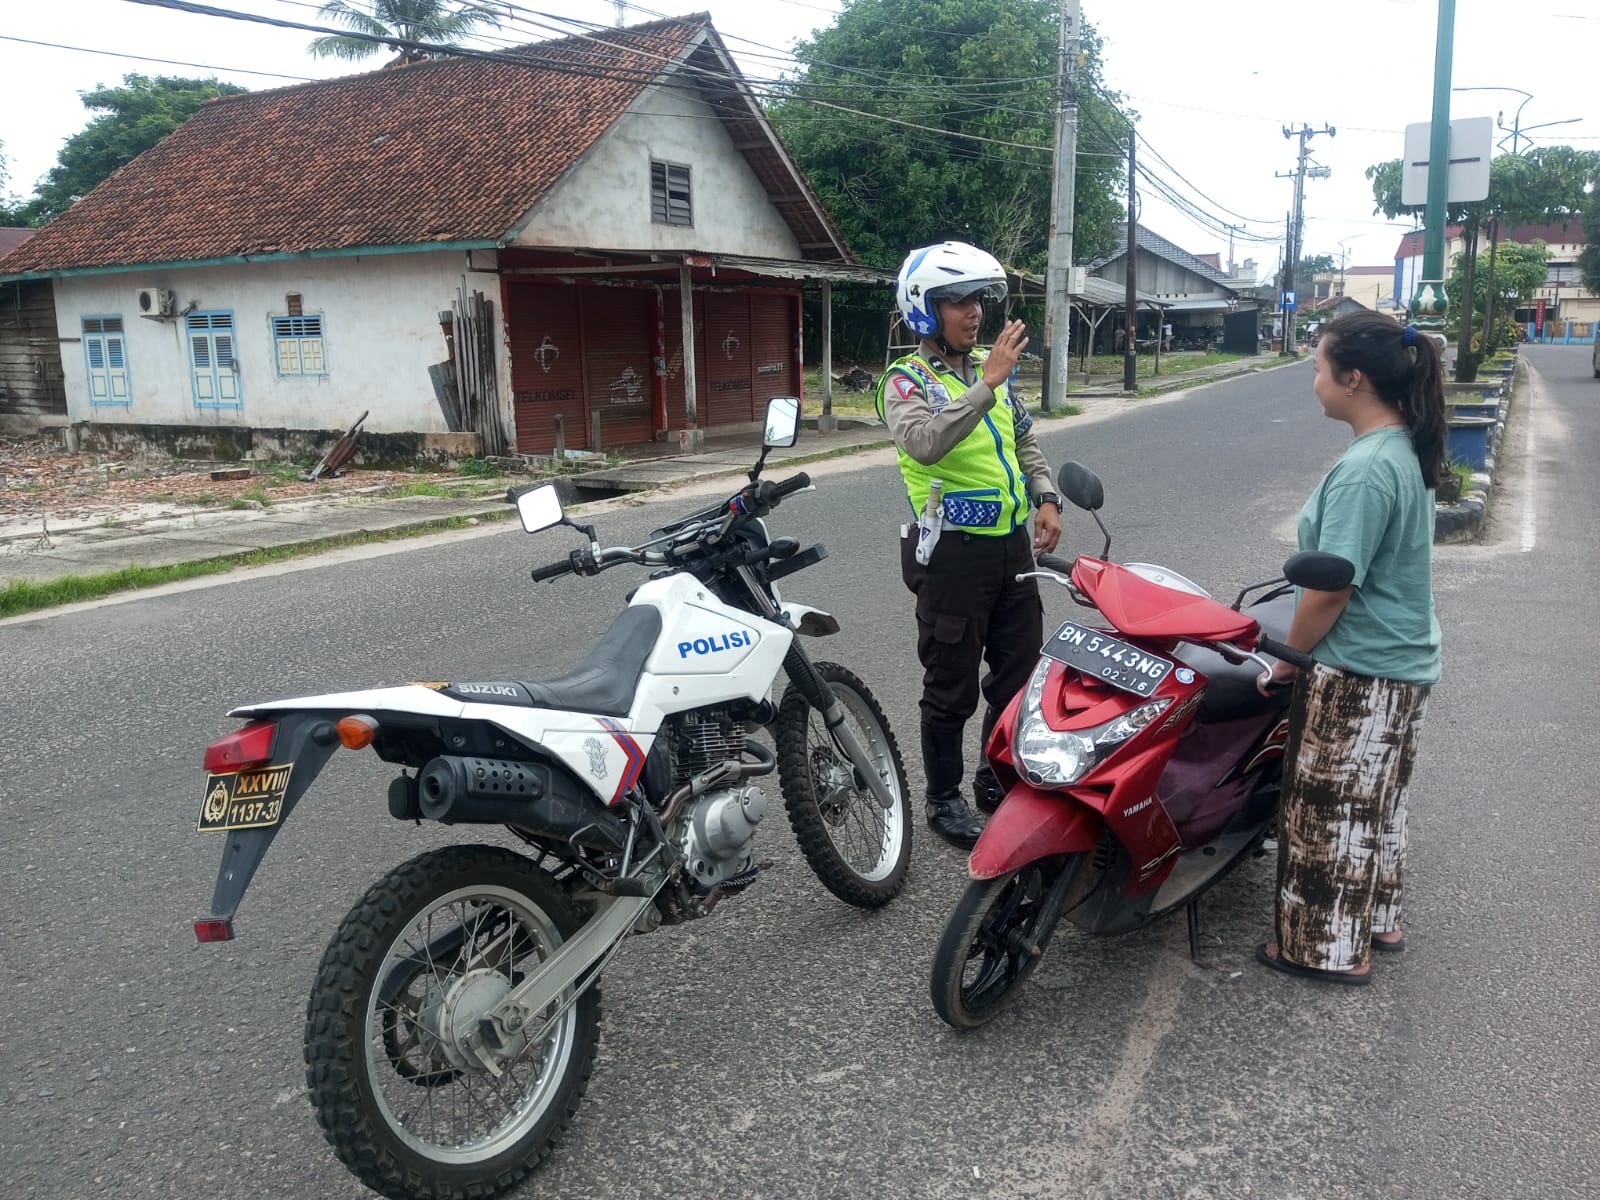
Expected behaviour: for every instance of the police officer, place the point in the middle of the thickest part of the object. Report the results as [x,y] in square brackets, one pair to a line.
[973,473]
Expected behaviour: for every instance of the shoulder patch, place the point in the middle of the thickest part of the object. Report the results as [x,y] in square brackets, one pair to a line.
[904,384]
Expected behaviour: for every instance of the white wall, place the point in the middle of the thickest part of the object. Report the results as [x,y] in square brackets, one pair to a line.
[605,199]
[381,333]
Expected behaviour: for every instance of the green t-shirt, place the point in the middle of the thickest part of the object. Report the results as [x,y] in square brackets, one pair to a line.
[1373,509]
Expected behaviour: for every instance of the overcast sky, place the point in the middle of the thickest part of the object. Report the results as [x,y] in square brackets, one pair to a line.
[1214,82]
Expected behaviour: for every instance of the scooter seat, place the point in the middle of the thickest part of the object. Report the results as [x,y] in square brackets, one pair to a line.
[605,681]
[1231,690]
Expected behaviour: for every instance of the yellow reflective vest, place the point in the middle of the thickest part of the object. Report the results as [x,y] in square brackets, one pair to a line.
[984,488]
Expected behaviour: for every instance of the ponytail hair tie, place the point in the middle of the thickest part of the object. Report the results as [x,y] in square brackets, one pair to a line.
[1409,336]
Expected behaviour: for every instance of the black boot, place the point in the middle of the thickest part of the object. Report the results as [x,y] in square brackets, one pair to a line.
[986,790]
[948,815]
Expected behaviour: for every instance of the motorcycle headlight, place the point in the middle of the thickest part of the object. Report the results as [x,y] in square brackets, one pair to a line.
[1058,757]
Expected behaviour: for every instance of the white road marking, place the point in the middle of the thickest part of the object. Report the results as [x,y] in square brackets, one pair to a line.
[1530,494]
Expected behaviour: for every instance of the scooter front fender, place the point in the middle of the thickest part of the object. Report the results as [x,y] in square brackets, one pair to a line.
[1032,824]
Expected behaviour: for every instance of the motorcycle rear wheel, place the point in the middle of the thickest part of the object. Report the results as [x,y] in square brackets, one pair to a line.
[404,1104]
[996,937]
[858,849]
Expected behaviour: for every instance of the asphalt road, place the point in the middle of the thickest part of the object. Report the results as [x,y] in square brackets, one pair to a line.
[786,1047]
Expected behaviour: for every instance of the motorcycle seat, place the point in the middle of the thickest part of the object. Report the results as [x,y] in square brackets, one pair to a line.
[1231,690]
[604,683]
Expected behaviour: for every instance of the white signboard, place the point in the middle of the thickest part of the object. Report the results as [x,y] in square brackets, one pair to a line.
[1471,144]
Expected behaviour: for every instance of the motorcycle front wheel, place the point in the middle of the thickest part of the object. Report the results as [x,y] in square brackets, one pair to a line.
[408,1103]
[996,937]
[858,849]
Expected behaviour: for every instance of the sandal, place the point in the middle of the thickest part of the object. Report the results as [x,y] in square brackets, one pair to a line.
[1349,978]
[1395,947]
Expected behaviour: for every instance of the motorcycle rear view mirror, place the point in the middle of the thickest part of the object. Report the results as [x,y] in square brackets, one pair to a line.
[1318,571]
[1081,486]
[783,423]
[540,508]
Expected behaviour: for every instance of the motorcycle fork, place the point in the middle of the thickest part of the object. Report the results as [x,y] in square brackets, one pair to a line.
[797,664]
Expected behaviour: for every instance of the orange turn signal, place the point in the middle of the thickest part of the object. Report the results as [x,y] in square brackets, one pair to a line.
[357,732]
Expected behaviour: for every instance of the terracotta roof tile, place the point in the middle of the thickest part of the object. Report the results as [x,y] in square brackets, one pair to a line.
[454,150]
[12,236]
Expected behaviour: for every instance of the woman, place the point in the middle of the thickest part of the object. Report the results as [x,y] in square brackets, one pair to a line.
[1356,715]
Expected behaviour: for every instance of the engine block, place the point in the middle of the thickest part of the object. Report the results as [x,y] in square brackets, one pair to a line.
[718,832]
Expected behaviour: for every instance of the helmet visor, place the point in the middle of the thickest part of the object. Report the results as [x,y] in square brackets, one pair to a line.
[989,291]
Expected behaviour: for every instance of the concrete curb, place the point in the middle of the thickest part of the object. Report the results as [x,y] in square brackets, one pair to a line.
[1463,520]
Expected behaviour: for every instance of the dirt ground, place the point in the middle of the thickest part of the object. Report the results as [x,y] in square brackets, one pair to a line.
[40,480]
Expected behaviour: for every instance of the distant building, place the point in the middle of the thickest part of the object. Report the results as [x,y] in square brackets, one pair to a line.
[1565,298]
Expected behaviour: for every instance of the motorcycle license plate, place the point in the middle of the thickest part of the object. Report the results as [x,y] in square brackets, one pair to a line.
[1101,656]
[244,799]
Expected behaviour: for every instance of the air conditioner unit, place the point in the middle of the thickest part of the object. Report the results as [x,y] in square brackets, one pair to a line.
[156,302]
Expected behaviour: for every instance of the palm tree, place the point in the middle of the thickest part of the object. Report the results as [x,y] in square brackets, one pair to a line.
[435,21]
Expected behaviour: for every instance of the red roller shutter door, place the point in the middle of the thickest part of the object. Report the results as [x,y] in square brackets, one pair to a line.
[772,333]
[618,335]
[546,366]
[727,393]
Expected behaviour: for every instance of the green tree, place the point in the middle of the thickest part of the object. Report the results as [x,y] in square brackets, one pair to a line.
[8,203]
[1306,272]
[1589,259]
[433,21]
[134,117]
[1519,271]
[971,86]
[1543,184]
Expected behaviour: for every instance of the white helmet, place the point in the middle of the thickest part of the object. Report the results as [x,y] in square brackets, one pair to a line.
[946,271]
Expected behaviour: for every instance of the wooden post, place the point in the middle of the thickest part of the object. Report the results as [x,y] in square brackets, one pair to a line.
[827,422]
[594,430]
[561,438]
[693,438]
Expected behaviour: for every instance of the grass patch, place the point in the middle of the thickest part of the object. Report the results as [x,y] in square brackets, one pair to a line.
[205,498]
[26,595]
[281,473]
[259,495]
[420,487]
[475,468]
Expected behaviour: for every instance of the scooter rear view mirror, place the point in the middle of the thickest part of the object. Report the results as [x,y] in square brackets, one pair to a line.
[1081,486]
[1318,571]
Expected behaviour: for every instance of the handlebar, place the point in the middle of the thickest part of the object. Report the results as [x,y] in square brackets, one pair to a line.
[554,570]
[771,493]
[1288,654]
[1054,562]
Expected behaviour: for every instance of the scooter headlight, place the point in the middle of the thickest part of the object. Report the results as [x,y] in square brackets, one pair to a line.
[1058,757]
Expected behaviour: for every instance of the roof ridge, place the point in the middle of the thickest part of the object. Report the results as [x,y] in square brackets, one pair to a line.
[508,55]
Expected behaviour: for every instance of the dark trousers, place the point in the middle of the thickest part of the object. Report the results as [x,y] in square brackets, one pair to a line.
[972,610]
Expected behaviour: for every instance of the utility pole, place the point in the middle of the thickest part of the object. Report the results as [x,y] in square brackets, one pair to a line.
[1130,352]
[620,8]
[1429,306]
[1297,223]
[1058,272]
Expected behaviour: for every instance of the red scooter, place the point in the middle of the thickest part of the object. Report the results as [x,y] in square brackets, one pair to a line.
[1140,764]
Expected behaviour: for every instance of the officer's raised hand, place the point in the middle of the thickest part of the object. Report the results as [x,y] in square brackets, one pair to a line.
[1003,357]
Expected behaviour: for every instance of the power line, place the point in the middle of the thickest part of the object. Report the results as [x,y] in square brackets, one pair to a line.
[171,62]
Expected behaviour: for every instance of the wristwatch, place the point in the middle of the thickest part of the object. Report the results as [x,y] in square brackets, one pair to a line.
[1049,498]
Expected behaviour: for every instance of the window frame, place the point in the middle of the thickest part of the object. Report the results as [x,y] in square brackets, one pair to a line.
[321,336]
[666,167]
[84,336]
[233,356]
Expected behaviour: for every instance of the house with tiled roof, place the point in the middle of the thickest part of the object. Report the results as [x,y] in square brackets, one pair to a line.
[500,244]
[1561,299]
[1194,292]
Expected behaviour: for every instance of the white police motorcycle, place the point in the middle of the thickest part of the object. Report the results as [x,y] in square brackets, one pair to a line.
[452,1027]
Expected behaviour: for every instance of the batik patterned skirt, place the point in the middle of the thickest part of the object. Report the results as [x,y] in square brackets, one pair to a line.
[1342,825]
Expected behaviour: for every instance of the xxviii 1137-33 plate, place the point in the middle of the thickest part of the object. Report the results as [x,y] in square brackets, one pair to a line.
[244,799]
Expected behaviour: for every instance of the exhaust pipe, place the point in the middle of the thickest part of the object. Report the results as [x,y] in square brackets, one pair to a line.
[538,797]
